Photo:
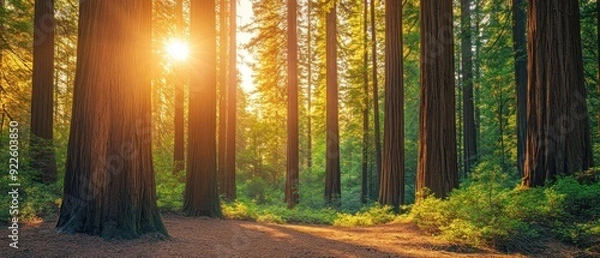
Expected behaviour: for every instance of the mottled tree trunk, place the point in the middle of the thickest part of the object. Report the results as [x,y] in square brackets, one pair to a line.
[291,183]
[391,189]
[109,187]
[437,167]
[469,133]
[201,197]
[179,142]
[332,171]
[558,136]
[43,160]
[519,24]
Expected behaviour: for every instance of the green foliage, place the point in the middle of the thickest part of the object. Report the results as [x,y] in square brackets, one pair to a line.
[484,211]
[376,214]
[249,210]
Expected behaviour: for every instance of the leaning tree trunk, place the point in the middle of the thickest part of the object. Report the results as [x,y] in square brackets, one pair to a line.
[201,197]
[520,49]
[43,160]
[332,171]
[391,189]
[291,183]
[437,166]
[558,134]
[109,182]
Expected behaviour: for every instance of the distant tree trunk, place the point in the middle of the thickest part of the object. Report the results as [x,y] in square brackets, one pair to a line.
[291,183]
[179,144]
[558,136]
[376,119]
[43,160]
[332,174]
[437,166]
[520,49]
[469,133]
[230,185]
[391,189]
[109,187]
[309,90]
[222,142]
[598,49]
[201,196]
[364,193]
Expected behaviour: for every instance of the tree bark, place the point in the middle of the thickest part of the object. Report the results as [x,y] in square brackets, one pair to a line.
[230,151]
[391,189]
[469,133]
[43,160]
[309,86]
[222,142]
[558,136]
[332,174]
[519,26]
[291,183]
[179,142]
[201,196]
[376,120]
[109,187]
[437,168]
[364,193]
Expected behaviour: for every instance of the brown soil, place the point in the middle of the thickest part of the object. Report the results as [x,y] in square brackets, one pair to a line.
[202,237]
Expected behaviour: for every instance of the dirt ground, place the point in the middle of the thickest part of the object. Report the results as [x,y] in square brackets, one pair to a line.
[202,237]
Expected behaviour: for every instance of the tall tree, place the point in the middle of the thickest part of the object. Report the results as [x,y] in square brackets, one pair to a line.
[391,189]
[558,136]
[332,170]
[201,197]
[469,133]
[519,23]
[364,193]
[437,168]
[179,142]
[109,187]
[42,94]
[222,134]
[229,169]
[376,120]
[291,183]
[598,49]
[309,86]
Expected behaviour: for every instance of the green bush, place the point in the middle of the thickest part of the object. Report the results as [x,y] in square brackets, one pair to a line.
[374,215]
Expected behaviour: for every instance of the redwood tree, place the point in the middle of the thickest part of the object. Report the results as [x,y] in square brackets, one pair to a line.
[42,93]
[376,120]
[519,23]
[109,187]
[437,165]
[229,169]
[201,197]
[291,183]
[391,189]
[179,142]
[332,170]
[469,131]
[558,134]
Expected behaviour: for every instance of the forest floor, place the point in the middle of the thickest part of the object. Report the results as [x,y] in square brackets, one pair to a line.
[203,237]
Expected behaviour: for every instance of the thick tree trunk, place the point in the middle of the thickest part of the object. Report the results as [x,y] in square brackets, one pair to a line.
[291,183]
[332,174]
[109,185]
[391,189]
[469,133]
[230,184]
[558,136]
[179,144]
[43,160]
[376,120]
[309,90]
[437,167]
[520,49]
[201,196]
[364,189]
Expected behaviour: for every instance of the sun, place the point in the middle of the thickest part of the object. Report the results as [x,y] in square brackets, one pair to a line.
[177,49]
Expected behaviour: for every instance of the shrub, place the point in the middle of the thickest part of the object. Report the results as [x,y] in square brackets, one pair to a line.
[374,215]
